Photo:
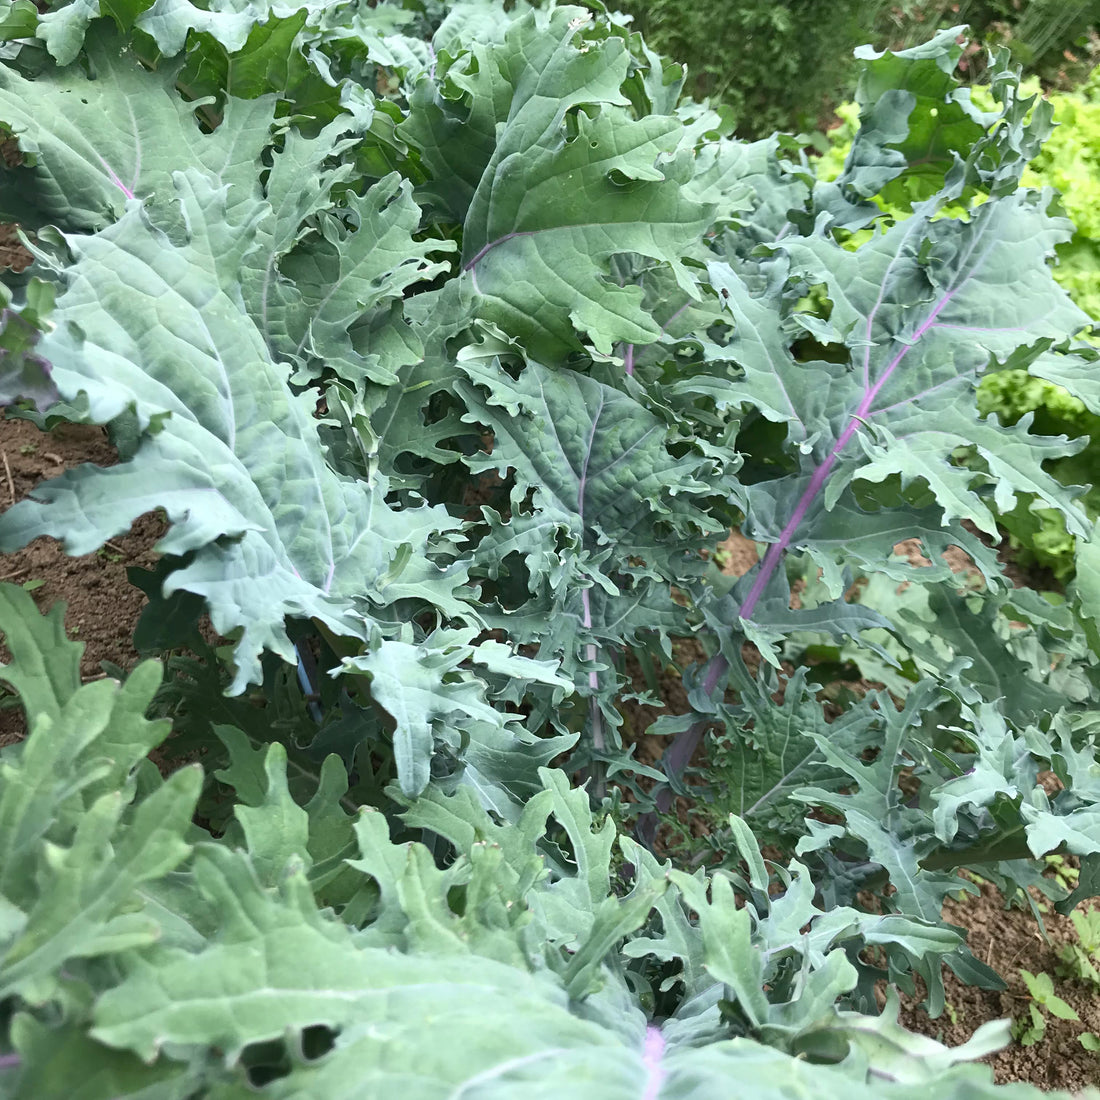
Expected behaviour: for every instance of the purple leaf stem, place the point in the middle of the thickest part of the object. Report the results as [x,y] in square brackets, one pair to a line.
[22,373]
[821,474]
[664,327]
[680,751]
[10,1061]
[652,1053]
[590,653]
[115,180]
[472,264]
[628,351]
[683,748]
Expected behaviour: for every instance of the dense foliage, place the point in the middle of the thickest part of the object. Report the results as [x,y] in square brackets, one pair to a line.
[450,347]
[1054,39]
[1070,162]
[779,65]
[775,66]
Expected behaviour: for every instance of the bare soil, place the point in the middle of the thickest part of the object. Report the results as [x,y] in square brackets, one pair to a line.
[1011,941]
[12,252]
[102,605]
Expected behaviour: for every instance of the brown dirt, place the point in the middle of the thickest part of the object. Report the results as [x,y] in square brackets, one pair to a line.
[1010,941]
[102,605]
[736,555]
[12,252]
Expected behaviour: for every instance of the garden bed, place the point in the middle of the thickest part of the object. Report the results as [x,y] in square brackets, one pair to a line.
[447,352]
[103,608]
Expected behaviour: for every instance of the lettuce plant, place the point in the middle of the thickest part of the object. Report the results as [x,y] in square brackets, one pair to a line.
[449,345]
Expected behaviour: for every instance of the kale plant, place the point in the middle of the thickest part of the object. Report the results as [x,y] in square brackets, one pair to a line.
[449,345]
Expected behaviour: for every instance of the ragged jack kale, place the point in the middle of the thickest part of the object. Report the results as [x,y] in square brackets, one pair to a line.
[450,343]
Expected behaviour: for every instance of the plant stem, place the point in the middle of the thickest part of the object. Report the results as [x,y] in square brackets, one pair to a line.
[598,741]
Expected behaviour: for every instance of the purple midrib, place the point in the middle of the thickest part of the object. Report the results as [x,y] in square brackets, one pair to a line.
[652,1054]
[775,552]
[114,178]
[471,264]
[591,652]
[679,754]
